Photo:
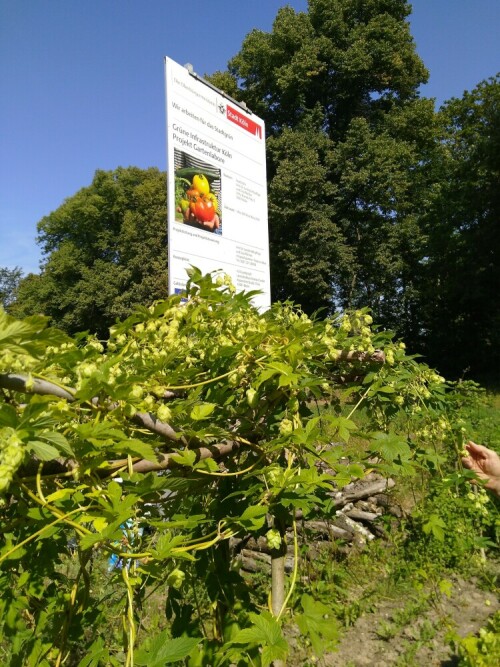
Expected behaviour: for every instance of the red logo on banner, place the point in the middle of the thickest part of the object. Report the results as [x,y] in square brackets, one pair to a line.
[243,121]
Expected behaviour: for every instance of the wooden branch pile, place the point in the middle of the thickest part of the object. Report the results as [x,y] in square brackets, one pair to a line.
[359,507]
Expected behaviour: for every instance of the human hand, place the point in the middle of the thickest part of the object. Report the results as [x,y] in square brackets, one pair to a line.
[485,463]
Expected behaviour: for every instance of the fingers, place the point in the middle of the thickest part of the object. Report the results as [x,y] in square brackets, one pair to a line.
[477,451]
[467,462]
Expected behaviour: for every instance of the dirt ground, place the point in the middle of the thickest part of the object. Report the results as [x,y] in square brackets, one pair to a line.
[399,633]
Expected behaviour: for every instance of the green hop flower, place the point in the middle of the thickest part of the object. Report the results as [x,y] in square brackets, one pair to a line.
[273,538]
[176,578]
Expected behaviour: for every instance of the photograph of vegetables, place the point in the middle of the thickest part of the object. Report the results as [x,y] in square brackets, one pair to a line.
[197,193]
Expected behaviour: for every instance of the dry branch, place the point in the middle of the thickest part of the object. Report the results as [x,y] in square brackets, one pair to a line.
[353,355]
[349,495]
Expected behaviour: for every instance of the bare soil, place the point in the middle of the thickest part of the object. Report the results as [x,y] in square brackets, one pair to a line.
[403,632]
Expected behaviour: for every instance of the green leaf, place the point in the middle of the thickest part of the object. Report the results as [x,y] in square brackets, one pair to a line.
[166,542]
[391,447]
[318,622]
[435,526]
[87,541]
[202,411]
[446,587]
[207,464]
[355,470]
[58,440]
[287,379]
[97,654]
[8,415]
[264,376]
[162,650]
[136,447]
[279,367]
[42,450]
[343,426]
[185,458]
[253,518]
[265,632]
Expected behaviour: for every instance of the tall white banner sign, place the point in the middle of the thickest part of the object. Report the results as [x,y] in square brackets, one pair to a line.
[217,193]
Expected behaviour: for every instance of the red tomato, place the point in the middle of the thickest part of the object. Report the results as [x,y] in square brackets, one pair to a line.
[203,209]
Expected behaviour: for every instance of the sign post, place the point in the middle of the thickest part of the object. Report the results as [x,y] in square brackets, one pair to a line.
[217,190]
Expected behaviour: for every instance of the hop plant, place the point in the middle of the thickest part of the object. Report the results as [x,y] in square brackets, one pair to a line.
[11,456]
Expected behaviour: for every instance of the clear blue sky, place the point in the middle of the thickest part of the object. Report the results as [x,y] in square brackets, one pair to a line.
[82,85]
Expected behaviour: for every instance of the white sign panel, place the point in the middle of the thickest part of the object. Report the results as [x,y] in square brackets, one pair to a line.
[217,193]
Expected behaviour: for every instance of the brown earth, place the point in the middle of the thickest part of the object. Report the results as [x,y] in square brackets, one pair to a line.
[413,633]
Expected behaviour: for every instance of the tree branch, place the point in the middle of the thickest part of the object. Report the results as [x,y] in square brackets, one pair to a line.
[346,355]
[21,383]
[149,421]
[16,382]
[166,461]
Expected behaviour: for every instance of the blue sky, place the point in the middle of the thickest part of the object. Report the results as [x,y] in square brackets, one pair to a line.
[81,85]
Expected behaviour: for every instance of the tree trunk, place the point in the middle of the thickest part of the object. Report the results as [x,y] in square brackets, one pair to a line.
[278,582]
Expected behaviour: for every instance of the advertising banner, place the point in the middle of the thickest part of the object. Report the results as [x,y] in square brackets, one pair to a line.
[217,192]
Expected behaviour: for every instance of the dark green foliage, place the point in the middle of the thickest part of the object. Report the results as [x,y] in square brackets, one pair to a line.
[348,150]
[106,252]
[460,302]
[9,282]
[374,198]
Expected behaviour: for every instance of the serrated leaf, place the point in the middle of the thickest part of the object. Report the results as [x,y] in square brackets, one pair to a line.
[355,470]
[265,632]
[96,432]
[166,542]
[446,587]
[87,541]
[14,329]
[185,458]
[312,424]
[136,447]
[285,369]
[58,440]
[274,653]
[42,450]
[207,464]
[287,379]
[202,411]
[435,525]
[163,650]
[264,376]
[253,518]
[100,524]
[317,621]
[343,427]
[60,494]
[391,446]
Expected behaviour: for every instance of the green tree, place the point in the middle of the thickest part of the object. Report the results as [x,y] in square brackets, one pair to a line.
[349,151]
[9,282]
[105,252]
[460,305]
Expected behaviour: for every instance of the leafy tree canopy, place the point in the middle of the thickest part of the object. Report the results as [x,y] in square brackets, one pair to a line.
[105,250]
[9,282]
[348,152]
[460,305]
